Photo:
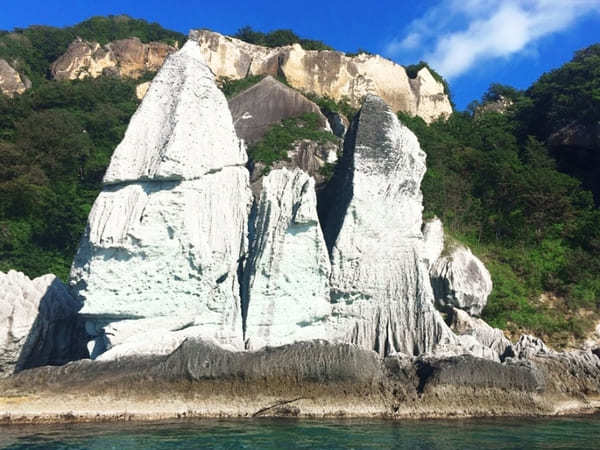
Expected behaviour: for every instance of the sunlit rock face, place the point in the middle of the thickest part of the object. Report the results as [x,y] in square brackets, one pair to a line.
[328,73]
[38,323]
[129,58]
[165,236]
[11,81]
[371,215]
[288,269]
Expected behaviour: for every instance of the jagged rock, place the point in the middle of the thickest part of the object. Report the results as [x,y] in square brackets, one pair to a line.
[37,323]
[141,89]
[166,234]
[269,101]
[310,156]
[465,325]
[11,82]
[327,73]
[461,280]
[433,235]
[288,268]
[529,346]
[338,123]
[371,216]
[126,58]
[499,106]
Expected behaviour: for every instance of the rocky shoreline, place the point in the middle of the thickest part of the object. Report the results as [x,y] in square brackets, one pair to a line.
[307,379]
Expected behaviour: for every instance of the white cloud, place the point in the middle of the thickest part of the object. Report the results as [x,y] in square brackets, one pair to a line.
[457,34]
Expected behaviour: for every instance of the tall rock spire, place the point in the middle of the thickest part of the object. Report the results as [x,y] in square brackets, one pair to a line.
[160,255]
[371,213]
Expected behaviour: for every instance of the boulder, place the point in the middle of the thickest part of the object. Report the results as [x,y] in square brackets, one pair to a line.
[11,81]
[371,217]
[460,280]
[38,323]
[465,325]
[327,73]
[166,235]
[268,102]
[288,268]
[125,58]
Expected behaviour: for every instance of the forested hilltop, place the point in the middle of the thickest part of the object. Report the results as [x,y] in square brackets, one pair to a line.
[512,177]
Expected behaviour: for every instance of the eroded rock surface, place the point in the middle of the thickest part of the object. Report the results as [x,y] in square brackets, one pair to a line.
[37,323]
[327,73]
[371,215]
[11,81]
[288,269]
[268,102]
[165,236]
[465,325]
[433,235]
[125,58]
[461,280]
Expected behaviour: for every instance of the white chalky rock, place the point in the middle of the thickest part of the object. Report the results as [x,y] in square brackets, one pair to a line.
[380,286]
[288,270]
[37,321]
[433,235]
[165,237]
[461,280]
[465,325]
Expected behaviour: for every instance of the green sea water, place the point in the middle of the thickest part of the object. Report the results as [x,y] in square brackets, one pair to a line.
[522,433]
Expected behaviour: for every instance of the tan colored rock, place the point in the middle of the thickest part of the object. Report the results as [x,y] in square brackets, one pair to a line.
[125,57]
[11,82]
[327,73]
[141,89]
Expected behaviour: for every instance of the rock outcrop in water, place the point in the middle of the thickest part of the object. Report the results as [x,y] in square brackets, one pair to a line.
[125,58]
[38,323]
[160,255]
[371,213]
[327,73]
[11,81]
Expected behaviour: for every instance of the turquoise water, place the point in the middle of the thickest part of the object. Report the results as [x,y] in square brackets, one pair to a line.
[576,433]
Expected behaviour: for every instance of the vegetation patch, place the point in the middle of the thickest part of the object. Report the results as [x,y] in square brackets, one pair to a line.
[278,38]
[233,87]
[280,138]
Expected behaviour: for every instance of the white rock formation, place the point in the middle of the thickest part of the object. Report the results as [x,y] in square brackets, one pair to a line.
[327,73]
[165,236]
[372,221]
[460,279]
[465,325]
[36,322]
[433,235]
[141,89]
[288,269]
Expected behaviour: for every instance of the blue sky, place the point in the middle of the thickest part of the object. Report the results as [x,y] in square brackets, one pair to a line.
[470,42]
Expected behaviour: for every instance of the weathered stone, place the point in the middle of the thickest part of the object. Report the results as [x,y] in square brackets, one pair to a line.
[141,89]
[461,280]
[165,237]
[11,82]
[371,216]
[327,73]
[465,325]
[338,123]
[268,102]
[433,235]
[288,269]
[126,58]
[37,323]
[529,346]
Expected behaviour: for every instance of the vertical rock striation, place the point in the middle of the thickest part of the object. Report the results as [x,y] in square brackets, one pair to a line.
[160,255]
[288,268]
[371,214]
[37,322]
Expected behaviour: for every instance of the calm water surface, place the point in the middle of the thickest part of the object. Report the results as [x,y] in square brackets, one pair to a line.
[576,433]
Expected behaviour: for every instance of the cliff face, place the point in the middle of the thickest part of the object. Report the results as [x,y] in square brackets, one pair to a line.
[327,73]
[159,259]
[11,82]
[126,58]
